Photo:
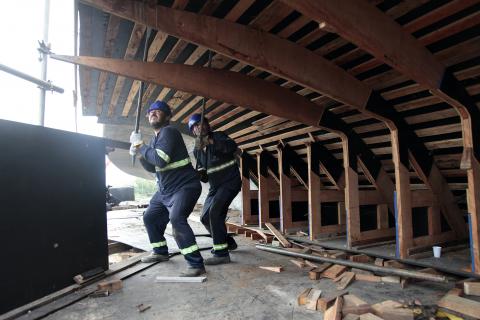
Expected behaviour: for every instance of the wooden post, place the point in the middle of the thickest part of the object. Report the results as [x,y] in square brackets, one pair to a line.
[246,199]
[263,186]
[473,202]
[341,213]
[285,191]
[352,202]
[382,216]
[403,196]
[314,184]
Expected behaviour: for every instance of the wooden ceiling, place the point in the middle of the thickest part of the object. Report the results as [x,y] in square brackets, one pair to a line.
[450,30]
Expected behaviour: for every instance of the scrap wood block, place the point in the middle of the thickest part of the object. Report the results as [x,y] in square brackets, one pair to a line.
[347,278]
[303,297]
[298,262]
[110,285]
[368,277]
[394,264]
[316,273]
[379,262]
[285,243]
[335,311]
[359,310]
[311,264]
[471,288]
[326,302]
[455,292]
[461,305]
[334,271]
[391,279]
[142,308]
[274,269]
[355,305]
[369,316]
[363,258]
[351,316]
[312,298]
[392,310]
[459,284]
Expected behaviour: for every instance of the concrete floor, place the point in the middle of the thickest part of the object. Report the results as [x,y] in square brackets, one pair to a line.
[239,290]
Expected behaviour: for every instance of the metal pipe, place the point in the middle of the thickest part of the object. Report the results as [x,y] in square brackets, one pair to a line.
[44,84]
[44,57]
[458,273]
[370,267]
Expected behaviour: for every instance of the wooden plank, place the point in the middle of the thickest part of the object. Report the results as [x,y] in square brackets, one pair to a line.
[367,277]
[303,297]
[316,273]
[334,271]
[326,302]
[347,278]
[335,311]
[369,316]
[403,208]
[112,32]
[312,299]
[314,202]
[273,269]
[132,47]
[285,243]
[164,279]
[461,305]
[471,288]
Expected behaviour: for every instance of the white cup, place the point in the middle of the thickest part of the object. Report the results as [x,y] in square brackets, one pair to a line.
[437,251]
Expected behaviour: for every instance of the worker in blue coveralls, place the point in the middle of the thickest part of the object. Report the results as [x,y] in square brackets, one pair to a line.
[178,189]
[215,153]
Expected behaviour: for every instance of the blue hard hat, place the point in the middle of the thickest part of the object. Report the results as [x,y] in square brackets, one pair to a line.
[160,105]
[194,119]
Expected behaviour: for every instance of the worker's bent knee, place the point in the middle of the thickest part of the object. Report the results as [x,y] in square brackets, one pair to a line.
[148,217]
[178,221]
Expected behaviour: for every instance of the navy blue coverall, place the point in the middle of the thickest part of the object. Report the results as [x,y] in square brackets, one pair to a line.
[178,191]
[225,183]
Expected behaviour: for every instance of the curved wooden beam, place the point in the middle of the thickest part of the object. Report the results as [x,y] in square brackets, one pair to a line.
[223,85]
[256,47]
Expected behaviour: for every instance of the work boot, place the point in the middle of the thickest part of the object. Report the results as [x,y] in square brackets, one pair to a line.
[232,244]
[155,257]
[193,272]
[217,260]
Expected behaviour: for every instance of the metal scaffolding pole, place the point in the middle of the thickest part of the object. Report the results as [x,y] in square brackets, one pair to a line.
[44,57]
[44,85]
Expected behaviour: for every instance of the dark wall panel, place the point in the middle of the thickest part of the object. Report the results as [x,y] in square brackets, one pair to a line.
[52,210]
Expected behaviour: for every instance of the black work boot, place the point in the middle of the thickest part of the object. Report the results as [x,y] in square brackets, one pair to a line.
[217,260]
[155,257]
[193,272]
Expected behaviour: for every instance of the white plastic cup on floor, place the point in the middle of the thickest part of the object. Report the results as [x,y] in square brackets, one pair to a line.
[437,251]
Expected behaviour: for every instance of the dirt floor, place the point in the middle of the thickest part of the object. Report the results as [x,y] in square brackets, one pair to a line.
[240,290]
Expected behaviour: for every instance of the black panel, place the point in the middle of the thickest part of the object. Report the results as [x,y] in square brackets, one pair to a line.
[254,207]
[420,221]
[53,222]
[299,211]
[329,213]
[368,217]
[274,208]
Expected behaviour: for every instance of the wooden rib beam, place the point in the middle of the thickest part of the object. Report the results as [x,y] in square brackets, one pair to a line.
[132,47]
[247,164]
[223,85]
[273,55]
[375,32]
[314,184]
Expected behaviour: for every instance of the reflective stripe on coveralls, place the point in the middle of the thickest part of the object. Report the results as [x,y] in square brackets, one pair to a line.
[190,249]
[221,167]
[159,244]
[163,155]
[174,165]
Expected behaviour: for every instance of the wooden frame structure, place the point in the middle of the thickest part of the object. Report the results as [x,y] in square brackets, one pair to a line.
[375,121]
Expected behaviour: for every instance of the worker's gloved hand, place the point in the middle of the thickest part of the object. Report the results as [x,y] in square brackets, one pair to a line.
[202,174]
[136,139]
[201,142]
[133,150]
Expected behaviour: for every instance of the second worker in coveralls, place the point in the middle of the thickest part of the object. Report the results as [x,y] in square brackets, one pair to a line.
[215,153]
[178,189]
